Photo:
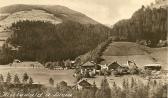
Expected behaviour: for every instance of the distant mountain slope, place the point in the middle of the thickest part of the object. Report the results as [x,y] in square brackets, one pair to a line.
[58,11]
[55,14]
[33,15]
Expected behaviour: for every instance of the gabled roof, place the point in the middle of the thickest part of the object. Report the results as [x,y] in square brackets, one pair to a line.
[83,83]
[88,64]
[114,64]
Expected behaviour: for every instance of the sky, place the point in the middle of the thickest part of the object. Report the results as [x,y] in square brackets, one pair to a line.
[103,11]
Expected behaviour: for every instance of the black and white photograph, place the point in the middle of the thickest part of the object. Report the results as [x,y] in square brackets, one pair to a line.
[83,48]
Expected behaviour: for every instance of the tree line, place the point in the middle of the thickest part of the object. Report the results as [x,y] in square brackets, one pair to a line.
[16,80]
[95,54]
[129,88]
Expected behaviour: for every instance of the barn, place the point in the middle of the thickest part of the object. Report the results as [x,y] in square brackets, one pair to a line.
[152,67]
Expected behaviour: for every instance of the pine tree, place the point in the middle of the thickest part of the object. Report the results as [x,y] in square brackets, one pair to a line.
[94,87]
[1,78]
[1,90]
[124,84]
[115,91]
[132,82]
[51,81]
[16,79]
[1,86]
[25,78]
[9,78]
[105,89]
[31,80]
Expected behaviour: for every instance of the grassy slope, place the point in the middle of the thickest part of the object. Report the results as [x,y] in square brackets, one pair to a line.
[58,11]
[34,15]
[161,56]
[123,51]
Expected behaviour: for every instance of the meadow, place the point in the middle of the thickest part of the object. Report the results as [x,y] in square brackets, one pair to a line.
[39,75]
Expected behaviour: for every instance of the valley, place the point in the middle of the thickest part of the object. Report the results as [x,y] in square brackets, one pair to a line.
[51,48]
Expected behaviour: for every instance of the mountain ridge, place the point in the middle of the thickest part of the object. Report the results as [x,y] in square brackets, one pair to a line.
[57,10]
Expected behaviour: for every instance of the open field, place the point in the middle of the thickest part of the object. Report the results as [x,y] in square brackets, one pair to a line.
[40,75]
[117,80]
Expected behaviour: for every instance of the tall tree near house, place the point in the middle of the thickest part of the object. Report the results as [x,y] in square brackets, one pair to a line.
[85,93]
[1,78]
[8,78]
[1,90]
[132,82]
[92,91]
[1,86]
[25,78]
[105,90]
[94,87]
[16,79]
[124,84]
[98,94]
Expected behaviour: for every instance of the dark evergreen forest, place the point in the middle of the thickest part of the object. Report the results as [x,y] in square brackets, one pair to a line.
[145,24]
[44,41]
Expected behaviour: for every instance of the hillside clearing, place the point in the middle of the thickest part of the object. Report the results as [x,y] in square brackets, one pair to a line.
[124,51]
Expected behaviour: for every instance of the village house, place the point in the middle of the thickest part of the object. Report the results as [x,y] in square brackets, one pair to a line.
[113,66]
[83,84]
[88,66]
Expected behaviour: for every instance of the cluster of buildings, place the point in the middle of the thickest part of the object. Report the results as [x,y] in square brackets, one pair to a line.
[93,68]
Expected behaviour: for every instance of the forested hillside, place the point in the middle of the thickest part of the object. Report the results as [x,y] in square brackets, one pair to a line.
[146,24]
[44,41]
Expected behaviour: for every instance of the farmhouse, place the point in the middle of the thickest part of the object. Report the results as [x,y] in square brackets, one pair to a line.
[83,84]
[131,64]
[152,67]
[113,66]
[88,66]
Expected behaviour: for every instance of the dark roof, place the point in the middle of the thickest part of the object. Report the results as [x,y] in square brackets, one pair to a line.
[88,64]
[114,65]
[84,83]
